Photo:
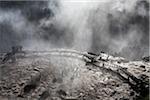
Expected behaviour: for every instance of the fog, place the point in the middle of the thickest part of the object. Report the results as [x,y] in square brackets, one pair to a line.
[118,27]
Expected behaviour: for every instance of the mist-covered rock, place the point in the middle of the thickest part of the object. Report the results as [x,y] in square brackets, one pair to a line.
[64,74]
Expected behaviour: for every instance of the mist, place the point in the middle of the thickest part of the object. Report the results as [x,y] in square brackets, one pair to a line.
[118,27]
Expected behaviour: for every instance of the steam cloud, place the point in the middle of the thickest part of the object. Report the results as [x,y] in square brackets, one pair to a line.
[115,26]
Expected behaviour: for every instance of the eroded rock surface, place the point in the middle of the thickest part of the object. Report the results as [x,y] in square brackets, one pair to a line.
[71,75]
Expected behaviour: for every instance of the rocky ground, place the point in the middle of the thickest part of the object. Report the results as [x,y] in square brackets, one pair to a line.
[73,75]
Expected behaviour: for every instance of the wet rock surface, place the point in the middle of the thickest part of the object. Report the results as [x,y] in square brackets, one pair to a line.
[71,75]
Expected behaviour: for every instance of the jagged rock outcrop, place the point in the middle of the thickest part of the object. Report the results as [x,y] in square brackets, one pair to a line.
[72,75]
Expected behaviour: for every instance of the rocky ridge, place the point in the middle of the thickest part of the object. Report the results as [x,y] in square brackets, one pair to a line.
[72,75]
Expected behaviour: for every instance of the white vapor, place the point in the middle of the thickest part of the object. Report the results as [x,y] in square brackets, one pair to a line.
[74,14]
[76,24]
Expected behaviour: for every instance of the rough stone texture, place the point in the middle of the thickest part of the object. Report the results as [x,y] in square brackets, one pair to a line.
[67,76]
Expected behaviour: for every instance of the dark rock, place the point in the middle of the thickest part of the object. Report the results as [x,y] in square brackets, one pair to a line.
[142,66]
[44,95]
[28,88]
[61,92]
[146,59]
